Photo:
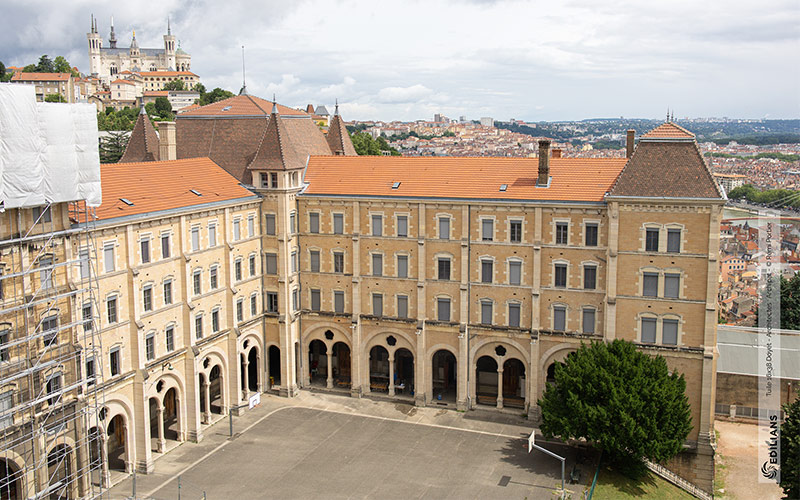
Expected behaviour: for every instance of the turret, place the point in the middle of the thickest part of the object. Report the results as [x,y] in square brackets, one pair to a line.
[112,40]
[95,43]
[169,49]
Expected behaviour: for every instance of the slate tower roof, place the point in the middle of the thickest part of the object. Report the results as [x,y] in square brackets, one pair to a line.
[338,138]
[143,144]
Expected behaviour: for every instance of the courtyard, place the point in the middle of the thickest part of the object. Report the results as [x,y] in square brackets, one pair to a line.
[336,447]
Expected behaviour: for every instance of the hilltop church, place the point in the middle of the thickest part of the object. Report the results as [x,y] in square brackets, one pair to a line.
[108,62]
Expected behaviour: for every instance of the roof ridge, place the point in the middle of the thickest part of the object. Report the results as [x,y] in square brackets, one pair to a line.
[260,143]
[257,105]
[708,171]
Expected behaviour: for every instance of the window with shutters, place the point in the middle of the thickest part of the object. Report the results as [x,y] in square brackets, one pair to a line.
[338,262]
[669,332]
[444,228]
[559,318]
[47,272]
[651,240]
[237,230]
[515,231]
[111,309]
[377,264]
[83,256]
[150,346]
[251,226]
[650,285]
[114,361]
[588,320]
[270,263]
[514,315]
[443,309]
[6,403]
[649,330]
[212,235]
[253,304]
[486,312]
[402,226]
[144,245]
[443,268]
[377,225]
[147,298]
[272,302]
[170,338]
[560,278]
[215,320]
[402,306]
[294,262]
[591,235]
[86,313]
[195,239]
[673,240]
[589,277]
[197,286]
[338,223]
[50,329]
[562,233]
[313,222]
[377,304]
[672,283]
[338,301]
[314,258]
[315,300]
[240,310]
[269,224]
[402,266]
[251,264]
[487,229]
[514,272]
[165,250]
[108,257]
[487,270]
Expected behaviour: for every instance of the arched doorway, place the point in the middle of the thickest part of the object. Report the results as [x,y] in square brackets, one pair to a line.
[215,390]
[117,445]
[317,362]
[403,372]
[486,381]
[274,366]
[171,423]
[156,431]
[551,373]
[444,377]
[10,484]
[203,410]
[514,383]
[60,480]
[341,365]
[379,369]
[252,369]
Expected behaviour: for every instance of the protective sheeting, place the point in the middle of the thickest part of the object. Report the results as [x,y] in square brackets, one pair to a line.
[48,151]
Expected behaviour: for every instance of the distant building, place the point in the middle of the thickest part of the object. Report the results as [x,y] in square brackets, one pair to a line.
[729,182]
[487,121]
[48,83]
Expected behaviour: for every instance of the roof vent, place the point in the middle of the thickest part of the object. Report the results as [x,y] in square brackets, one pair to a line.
[226,108]
[194,191]
[395,185]
[126,201]
[503,187]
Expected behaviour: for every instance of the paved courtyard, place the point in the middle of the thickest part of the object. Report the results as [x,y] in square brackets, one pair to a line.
[306,452]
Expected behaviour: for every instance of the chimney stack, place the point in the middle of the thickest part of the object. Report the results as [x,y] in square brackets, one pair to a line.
[629,143]
[166,141]
[556,153]
[544,162]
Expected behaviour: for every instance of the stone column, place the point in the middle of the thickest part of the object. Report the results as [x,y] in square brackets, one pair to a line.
[421,377]
[500,387]
[207,397]
[462,367]
[532,381]
[356,360]
[245,381]
[105,480]
[330,369]
[391,374]
[161,446]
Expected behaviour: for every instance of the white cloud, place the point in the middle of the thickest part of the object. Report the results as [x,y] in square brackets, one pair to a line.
[397,95]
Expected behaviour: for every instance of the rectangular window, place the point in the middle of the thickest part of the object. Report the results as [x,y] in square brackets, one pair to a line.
[90,371]
[86,313]
[315,300]
[198,288]
[269,224]
[338,223]
[650,286]
[53,387]
[402,306]
[443,309]
[195,239]
[170,338]
[559,318]
[562,233]
[108,257]
[237,230]
[150,347]
[147,298]
[486,312]
[251,263]
[444,228]
[377,304]
[338,301]
[50,328]
[513,315]
[313,222]
[46,274]
[314,254]
[591,235]
[253,305]
[402,226]
[377,225]
[670,332]
[83,255]
[6,403]
[37,214]
[588,320]
[487,229]
[487,268]
[561,275]
[589,277]
[145,247]
[215,320]
[165,246]
[294,262]
[212,235]
[672,283]
[270,263]
[273,179]
[240,310]
[443,265]
[272,302]
[111,308]
[114,361]
[651,240]
[402,266]
[338,262]
[214,277]
[295,300]
[673,240]
[198,326]
[251,226]
[264,180]
[292,223]
[514,273]
[5,336]
[649,330]
[377,264]
[515,231]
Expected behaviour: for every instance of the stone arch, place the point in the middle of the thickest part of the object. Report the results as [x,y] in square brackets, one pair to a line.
[447,393]
[24,481]
[318,333]
[556,353]
[487,346]
[120,406]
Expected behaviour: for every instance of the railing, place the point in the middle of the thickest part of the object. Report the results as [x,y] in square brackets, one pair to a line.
[678,481]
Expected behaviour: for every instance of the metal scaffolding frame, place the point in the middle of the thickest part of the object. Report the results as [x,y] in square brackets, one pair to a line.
[51,388]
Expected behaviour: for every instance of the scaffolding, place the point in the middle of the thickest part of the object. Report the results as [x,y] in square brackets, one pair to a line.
[51,394]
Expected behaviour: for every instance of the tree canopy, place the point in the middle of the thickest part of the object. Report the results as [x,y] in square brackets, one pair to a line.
[112,146]
[175,85]
[215,95]
[46,65]
[110,119]
[54,98]
[790,450]
[620,399]
[778,197]
[163,108]
[365,145]
[790,303]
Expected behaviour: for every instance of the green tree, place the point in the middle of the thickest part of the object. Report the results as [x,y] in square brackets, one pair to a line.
[790,450]
[199,87]
[621,400]
[215,95]
[112,146]
[45,65]
[790,303]
[61,65]
[30,68]
[365,145]
[150,109]
[175,85]
[54,98]
[163,108]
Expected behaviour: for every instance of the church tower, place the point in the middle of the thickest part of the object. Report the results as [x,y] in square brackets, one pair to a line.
[112,40]
[95,42]
[134,52]
[169,49]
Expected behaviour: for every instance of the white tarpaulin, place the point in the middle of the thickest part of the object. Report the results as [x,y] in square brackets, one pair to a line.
[48,151]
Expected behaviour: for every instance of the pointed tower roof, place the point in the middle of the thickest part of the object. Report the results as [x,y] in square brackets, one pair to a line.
[276,150]
[134,43]
[666,164]
[143,144]
[338,138]
[112,41]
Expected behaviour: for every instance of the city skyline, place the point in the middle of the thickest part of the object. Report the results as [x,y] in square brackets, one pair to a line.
[500,59]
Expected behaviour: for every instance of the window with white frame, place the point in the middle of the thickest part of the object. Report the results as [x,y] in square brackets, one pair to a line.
[6,403]
[5,337]
[377,304]
[169,335]
[487,270]
[673,240]
[240,310]
[195,239]
[669,331]
[251,226]
[648,332]
[251,261]
[91,370]
[237,229]
[269,224]
[377,264]
[86,313]
[487,229]
[651,239]
[589,276]
[165,246]
[672,285]
[215,320]
[111,309]
[47,272]
[147,298]
[294,261]
[212,235]
[115,361]
[150,346]
[213,275]
[108,257]
[83,256]
[198,326]
[560,275]
[295,300]
[50,328]
[338,262]
[253,304]
[562,233]
[196,282]
[53,387]
[591,234]
[292,222]
[272,302]
[650,284]
[486,312]
[443,268]
[237,269]
[515,231]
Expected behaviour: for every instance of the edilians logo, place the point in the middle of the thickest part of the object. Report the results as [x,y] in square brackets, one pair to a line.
[768,468]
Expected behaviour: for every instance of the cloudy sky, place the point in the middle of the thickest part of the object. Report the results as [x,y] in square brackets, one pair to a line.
[410,59]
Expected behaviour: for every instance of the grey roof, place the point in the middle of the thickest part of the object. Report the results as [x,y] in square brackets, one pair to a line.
[321,111]
[127,50]
[738,351]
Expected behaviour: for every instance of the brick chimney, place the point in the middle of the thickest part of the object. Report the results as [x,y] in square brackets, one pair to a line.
[544,162]
[556,153]
[166,141]
[629,143]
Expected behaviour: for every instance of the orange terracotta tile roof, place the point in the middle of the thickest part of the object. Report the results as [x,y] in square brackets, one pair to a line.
[241,105]
[156,93]
[164,185]
[668,130]
[126,82]
[40,77]
[573,179]
[166,73]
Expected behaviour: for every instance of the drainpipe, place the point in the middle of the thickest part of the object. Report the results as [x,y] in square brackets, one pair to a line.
[469,297]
